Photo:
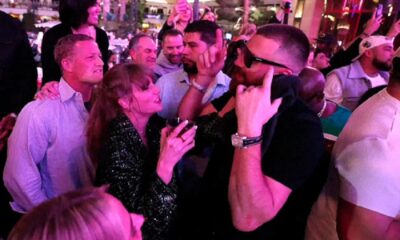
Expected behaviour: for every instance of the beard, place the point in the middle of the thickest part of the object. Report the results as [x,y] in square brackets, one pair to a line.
[190,68]
[380,65]
[174,59]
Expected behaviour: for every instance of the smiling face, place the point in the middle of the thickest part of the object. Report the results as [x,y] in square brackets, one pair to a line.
[145,99]
[173,48]
[93,14]
[85,63]
[145,52]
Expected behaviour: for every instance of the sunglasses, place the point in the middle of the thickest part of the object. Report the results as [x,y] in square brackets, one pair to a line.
[249,58]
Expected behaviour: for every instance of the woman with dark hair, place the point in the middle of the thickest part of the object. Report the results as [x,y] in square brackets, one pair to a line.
[77,17]
[134,152]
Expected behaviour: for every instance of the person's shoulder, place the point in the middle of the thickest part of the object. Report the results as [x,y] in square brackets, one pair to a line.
[101,34]
[39,111]
[57,32]
[166,79]
[300,120]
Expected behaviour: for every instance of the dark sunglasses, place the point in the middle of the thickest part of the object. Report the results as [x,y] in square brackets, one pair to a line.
[249,58]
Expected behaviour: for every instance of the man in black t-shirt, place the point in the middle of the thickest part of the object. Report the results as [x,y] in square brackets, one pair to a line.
[256,187]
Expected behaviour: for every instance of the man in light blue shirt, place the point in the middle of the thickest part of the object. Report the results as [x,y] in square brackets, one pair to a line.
[47,149]
[198,37]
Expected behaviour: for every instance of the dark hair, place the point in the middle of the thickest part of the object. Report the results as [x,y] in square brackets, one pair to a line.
[65,46]
[172,32]
[293,42]
[135,40]
[207,30]
[117,83]
[395,72]
[74,13]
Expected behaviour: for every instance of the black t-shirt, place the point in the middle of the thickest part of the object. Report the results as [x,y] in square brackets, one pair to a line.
[291,157]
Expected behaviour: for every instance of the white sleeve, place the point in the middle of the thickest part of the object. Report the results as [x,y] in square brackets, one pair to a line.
[370,175]
[333,89]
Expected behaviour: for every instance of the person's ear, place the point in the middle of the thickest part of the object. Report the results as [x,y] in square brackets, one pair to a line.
[132,53]
[66,65]
[124,103]
[369,53]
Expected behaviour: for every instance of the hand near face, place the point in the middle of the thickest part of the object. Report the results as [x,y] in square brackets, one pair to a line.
[211,61]
[254,107]
[173,146]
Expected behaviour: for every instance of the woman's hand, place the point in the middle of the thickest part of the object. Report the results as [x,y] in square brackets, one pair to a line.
[173,146]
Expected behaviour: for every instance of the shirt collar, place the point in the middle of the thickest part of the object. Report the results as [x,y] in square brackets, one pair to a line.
[221,78]
[356,71]
[66,91]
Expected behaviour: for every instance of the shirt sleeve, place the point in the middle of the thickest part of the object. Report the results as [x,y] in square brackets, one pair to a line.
[333,88]
[369,176]
[26,149]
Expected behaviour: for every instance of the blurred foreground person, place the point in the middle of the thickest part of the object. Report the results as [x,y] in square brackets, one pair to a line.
[90,214]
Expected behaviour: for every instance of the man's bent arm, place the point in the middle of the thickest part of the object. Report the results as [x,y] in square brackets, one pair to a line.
[27,146]
[254,198]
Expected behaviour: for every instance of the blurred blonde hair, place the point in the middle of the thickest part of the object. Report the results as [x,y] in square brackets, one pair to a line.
[84,214]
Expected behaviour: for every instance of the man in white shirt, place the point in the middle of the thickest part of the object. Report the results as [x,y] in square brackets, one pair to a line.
[361,197]
[369,69]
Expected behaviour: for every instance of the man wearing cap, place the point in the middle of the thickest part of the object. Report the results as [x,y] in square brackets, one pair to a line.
[365,205]
[369,69]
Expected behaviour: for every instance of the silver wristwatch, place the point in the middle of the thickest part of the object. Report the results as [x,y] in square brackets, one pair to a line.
[243,141]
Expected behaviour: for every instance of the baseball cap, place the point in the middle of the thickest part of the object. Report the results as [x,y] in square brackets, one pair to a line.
[371,42]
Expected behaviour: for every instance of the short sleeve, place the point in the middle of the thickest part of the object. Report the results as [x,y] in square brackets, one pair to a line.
[296,148]
[369,175]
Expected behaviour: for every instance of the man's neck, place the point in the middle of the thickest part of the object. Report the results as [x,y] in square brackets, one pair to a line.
[369,68]
[83,88]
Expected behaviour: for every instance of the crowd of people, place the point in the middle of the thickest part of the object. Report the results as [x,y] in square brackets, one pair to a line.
[267,138]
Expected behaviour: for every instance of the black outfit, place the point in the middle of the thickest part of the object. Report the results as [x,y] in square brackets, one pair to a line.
[129,167]
[18,73]
[291,149]
[343,57]
[51,70]
[17,87]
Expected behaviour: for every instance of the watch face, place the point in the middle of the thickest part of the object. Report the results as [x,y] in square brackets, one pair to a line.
[236,141]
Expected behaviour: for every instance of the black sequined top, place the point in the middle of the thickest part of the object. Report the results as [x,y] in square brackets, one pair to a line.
[129,167]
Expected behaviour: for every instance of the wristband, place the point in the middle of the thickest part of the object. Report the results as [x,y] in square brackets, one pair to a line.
[197,86]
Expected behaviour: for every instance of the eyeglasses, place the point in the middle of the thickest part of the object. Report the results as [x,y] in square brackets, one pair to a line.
[249,58]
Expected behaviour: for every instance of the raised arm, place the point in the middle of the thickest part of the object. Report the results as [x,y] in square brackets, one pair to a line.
[254,197]
[208,64]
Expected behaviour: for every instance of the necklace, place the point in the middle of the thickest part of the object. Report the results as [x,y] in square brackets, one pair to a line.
[321,112]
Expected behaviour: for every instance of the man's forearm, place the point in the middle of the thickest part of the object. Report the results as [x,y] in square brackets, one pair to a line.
[251,194]
[191,104]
